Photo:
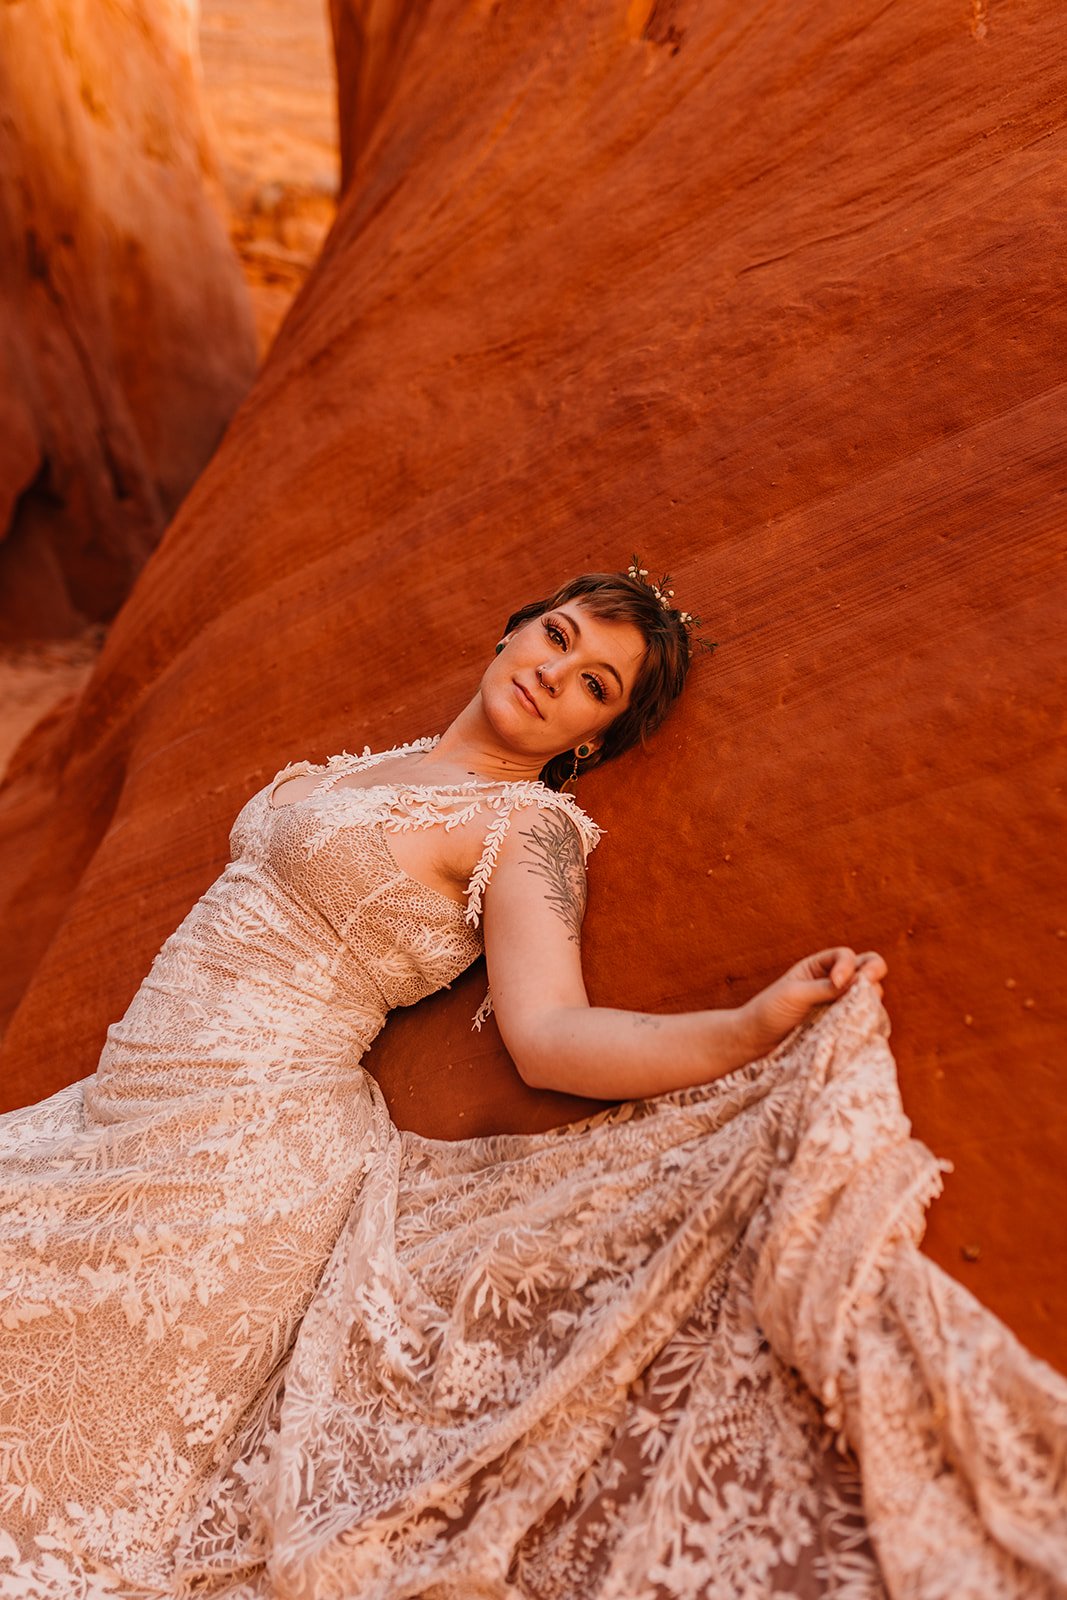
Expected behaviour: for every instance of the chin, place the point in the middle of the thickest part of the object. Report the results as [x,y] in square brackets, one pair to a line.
[513,726]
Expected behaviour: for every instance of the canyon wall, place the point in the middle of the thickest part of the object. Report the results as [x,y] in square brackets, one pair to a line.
[126,338]
[774,299]
[373,43]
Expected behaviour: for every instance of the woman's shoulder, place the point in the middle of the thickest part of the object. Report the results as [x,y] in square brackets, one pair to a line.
[534,793]
[514,801]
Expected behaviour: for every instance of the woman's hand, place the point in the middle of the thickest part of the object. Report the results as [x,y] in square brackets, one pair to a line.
[825,976]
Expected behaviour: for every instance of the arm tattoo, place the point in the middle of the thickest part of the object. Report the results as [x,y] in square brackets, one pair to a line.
[554,853]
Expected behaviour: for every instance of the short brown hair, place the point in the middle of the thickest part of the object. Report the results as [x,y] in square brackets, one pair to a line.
[616,597]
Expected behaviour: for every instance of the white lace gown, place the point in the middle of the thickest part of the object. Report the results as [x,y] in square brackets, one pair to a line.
[255,1342]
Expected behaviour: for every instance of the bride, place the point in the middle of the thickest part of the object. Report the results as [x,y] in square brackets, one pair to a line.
[255,1341]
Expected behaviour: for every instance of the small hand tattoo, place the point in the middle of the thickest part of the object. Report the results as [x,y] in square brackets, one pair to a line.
[642,1019]
[555,854]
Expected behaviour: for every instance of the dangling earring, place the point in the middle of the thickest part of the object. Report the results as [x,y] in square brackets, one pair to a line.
[582,753]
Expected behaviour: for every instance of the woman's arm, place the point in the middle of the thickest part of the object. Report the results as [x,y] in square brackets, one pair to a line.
[534,906]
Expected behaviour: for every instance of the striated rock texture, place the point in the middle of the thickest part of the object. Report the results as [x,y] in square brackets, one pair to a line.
[775,300]
[374,42]
[126,338]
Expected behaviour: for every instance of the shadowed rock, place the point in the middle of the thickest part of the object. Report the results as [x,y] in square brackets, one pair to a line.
[125,333]
[374,42]
[775,302]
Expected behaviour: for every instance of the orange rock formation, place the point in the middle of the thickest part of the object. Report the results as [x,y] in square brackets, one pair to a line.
[772,300]
[125,335]
[271,97]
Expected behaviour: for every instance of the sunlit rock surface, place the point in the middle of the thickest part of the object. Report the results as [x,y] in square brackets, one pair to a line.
[774,300]
[125,333]
[271,100]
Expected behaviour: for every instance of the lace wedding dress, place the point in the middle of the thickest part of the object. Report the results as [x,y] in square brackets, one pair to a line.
[256,1342]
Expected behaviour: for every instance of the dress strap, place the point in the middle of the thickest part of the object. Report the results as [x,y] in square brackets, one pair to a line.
[344,761]
[511,798]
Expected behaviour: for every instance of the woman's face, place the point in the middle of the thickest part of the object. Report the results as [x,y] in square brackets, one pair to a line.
[560,680]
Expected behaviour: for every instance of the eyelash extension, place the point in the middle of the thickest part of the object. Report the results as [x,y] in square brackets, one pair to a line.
[555,632]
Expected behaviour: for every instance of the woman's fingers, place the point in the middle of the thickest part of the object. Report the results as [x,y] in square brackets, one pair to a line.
[815,991]
[844,969]
[834,970]
[872,966]
[823,965]
[835,966]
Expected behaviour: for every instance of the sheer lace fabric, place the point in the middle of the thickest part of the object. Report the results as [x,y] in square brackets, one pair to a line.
[254,1341]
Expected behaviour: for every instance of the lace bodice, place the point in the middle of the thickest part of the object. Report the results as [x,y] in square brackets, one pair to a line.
[314,932]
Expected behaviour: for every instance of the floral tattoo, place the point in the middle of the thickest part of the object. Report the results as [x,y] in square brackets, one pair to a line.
[555,854]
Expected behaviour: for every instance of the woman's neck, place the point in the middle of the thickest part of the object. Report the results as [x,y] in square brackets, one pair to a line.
[468,748]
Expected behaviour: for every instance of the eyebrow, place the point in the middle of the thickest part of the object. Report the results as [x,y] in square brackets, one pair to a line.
[573,620]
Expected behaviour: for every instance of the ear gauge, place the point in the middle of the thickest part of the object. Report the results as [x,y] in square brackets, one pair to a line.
[582,753]
[500,646]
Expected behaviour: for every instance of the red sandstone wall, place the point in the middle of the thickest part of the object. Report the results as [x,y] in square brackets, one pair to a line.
[375,42]
[125,334]
[776,300]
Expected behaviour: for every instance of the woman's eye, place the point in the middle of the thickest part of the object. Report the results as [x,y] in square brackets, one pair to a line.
[597,687]
[557,635]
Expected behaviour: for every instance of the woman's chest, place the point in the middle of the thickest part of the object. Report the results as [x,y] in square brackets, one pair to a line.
[338,868]
[433,835]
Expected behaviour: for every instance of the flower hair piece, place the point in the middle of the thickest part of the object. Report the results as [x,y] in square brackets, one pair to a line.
[665,596]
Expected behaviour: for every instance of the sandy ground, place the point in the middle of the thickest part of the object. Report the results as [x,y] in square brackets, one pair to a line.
[269,85]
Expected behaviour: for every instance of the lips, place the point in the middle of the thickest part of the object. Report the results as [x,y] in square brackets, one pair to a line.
[528,700]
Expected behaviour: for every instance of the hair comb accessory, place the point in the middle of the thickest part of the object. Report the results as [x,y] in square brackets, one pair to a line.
[665,596]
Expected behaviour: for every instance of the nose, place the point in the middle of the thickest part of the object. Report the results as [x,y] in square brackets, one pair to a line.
[547,682]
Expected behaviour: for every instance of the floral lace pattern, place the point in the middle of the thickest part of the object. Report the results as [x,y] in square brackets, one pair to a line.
[254,1341]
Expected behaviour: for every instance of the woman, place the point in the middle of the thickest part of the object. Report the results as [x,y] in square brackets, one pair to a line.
[254,1341]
